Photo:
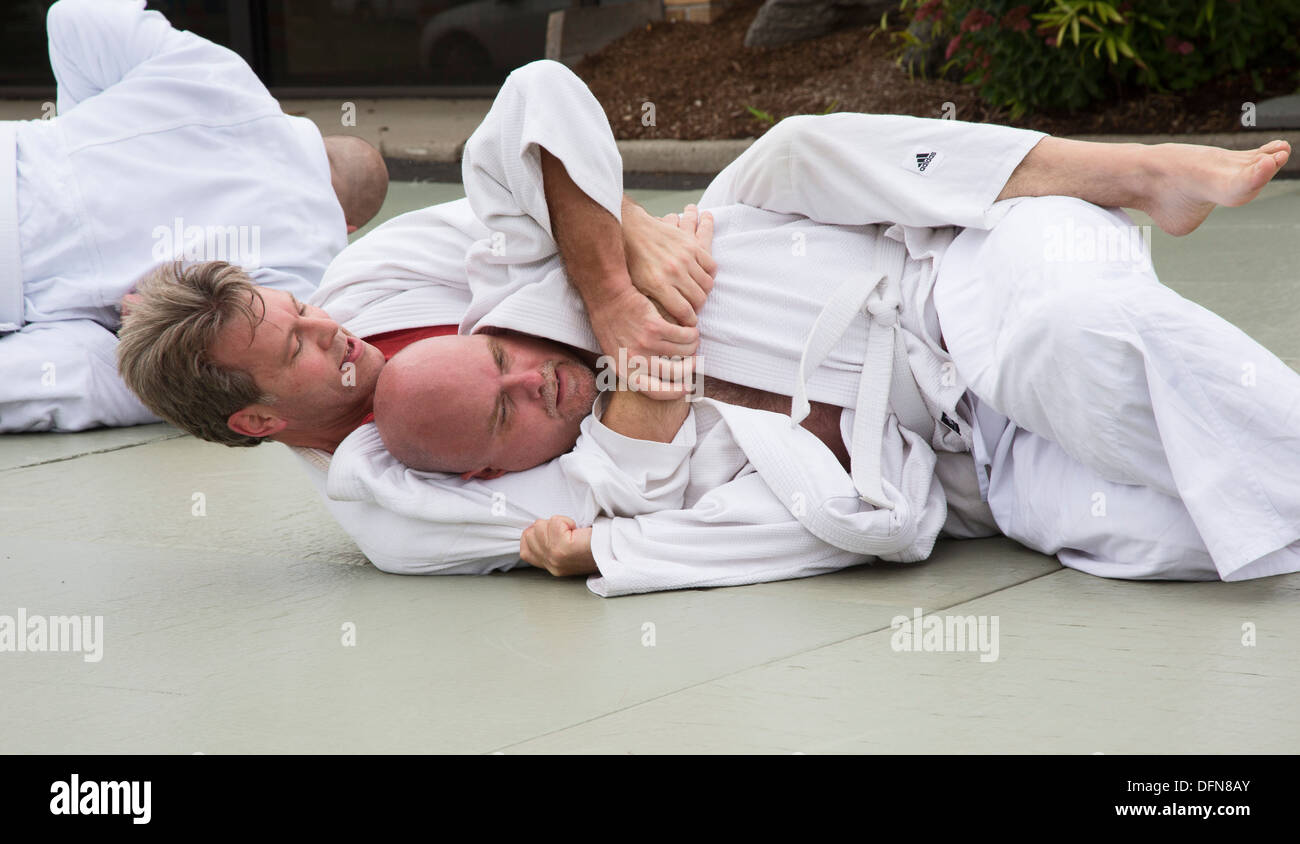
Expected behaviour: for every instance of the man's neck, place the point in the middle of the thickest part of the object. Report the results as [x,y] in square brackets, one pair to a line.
[325,438]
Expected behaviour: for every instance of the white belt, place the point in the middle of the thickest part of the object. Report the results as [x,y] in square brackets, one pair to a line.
[887,379]
[11,272]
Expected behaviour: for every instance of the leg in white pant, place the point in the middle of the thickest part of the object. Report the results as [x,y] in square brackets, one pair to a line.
[1132,381]
[62,376]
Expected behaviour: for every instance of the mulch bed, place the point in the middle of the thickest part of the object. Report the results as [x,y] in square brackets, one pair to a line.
[701,77]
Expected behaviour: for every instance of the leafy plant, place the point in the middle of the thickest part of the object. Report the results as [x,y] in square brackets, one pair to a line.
[1068,53]
[770,119]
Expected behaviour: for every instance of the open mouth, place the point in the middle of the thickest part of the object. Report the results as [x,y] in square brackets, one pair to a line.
[351,351]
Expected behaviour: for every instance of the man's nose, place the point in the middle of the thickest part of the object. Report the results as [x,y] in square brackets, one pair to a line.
[524,383]
[322,328]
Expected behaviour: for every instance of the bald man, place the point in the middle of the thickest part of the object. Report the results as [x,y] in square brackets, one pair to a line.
[166,146]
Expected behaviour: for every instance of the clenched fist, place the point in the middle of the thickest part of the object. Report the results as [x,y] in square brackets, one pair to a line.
[558,545]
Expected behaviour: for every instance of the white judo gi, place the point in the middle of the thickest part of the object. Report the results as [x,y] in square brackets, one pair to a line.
[854,170]
[1182,429]
[711,516]
[407,274]
[165,146]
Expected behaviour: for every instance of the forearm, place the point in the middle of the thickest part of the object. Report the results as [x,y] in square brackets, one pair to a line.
[589,238]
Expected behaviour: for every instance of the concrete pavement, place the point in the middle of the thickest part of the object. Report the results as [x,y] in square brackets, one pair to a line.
[238,618]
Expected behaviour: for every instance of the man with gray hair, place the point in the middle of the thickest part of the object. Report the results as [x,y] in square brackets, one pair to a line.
[165,146]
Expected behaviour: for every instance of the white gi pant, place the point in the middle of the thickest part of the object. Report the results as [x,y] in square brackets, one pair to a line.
[1119,426]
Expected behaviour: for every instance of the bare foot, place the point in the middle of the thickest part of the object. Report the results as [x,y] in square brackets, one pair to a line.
[1189,180]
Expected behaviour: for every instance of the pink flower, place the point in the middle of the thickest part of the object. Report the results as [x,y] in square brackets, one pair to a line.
[928,9]
[952,47]
[1185,47]
[1016,20]
[976,19]
[1050,40]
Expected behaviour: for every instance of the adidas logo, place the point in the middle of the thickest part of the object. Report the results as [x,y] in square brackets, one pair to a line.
[923,160]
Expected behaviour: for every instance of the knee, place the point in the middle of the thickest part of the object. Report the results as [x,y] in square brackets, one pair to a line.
[794,125]
[1037,220]
[797,130]
[542,74]
[1066,231]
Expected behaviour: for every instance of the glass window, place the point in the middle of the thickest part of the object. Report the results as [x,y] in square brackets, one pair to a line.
[327,43]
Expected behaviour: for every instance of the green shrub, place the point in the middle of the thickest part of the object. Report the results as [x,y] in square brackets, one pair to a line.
[1056,54]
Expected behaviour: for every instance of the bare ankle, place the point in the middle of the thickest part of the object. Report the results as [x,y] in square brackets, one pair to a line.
[1148,174]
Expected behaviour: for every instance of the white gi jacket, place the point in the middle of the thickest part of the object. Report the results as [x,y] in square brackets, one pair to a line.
[465,527]
[811,283]
[165,145]
[698,501]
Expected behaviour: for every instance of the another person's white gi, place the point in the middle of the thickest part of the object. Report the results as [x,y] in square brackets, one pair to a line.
[165,146]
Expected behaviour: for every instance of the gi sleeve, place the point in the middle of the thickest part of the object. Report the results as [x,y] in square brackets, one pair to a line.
[540,105]
[861,169]
[409,522]
[408,272]
[737,533]
[62,376]
[614,475]
[402,544]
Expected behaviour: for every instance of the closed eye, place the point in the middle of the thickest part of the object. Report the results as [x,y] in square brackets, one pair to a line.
[302,311]
[505,412]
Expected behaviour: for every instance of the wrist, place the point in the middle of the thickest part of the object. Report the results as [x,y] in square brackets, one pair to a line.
[609,292]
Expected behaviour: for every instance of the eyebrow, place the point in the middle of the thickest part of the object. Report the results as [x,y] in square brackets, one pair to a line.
[289,340]
[499,356]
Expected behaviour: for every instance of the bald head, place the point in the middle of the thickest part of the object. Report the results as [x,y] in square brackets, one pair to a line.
[359,176]
[409,395]
[482,404]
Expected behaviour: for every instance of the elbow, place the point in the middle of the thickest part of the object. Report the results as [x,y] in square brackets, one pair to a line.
[64,14]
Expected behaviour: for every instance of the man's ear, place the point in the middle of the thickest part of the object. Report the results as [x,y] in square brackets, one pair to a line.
[254,421]
[128,301]
[484,474]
